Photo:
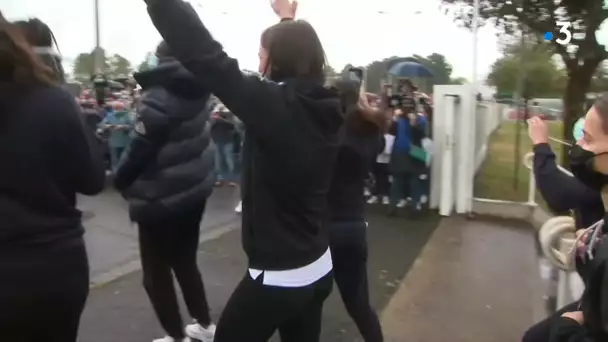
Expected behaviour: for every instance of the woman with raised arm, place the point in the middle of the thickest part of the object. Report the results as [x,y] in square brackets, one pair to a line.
[362,137]
[292,124]
[48,156]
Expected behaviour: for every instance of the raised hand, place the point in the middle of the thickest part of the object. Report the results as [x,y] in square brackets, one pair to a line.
[285,9]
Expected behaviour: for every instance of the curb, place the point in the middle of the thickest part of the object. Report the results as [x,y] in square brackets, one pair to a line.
[132,266]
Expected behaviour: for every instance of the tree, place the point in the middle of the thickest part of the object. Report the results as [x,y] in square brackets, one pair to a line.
[376,72]
[599,82]
[438,65]
[84,66]
[543,77]
[329,71]
[118,66]
[581,56]
[459,80]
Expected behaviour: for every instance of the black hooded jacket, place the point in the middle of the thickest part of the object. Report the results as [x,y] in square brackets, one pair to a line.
[168,167]
[48,156]
[562,192]
[289,150]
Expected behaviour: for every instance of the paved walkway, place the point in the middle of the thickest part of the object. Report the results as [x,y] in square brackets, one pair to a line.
[474,281]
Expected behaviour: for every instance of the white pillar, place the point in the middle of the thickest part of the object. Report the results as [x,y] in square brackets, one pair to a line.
[473,106]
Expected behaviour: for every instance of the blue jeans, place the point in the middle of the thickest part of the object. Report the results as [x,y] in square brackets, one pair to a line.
[115,154]
[224,161]
[413,182]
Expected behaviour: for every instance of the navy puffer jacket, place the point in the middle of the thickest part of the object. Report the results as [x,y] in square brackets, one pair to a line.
[168,167]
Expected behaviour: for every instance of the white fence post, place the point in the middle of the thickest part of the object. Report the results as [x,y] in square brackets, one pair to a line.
[447,160]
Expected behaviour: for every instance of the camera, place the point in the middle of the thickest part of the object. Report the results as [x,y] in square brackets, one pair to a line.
[404,98]
[356,75]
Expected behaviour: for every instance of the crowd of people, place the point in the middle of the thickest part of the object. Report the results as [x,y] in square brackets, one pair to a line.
[305,151]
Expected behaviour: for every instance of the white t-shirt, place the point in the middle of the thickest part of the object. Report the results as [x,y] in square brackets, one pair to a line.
[385,156]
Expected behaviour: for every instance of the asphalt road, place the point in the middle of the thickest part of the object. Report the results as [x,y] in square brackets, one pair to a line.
[112,239]
[120,310]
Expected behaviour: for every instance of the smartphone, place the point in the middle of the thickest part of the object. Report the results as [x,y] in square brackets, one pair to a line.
[356,74]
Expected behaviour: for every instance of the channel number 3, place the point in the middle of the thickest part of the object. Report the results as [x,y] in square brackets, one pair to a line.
[566,32]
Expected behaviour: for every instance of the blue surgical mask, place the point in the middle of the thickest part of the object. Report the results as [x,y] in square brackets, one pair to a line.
[577,131]
[153,61]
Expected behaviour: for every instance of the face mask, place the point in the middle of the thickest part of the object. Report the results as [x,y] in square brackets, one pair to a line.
[581,165]
[153,61]
[578,131]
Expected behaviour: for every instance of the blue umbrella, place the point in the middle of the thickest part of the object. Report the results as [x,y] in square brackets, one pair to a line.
[410,69]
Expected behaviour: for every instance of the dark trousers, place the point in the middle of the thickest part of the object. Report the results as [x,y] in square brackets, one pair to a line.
[255,311]
[380,171]
[43,293]
[406,185]
[348,243]
[541,331]
[172,245]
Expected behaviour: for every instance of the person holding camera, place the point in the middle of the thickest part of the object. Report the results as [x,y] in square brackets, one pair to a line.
[571,194]
[409,158]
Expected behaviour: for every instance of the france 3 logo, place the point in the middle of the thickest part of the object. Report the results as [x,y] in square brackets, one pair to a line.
[564,35]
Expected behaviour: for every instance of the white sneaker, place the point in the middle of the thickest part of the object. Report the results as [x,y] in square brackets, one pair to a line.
[386,200]
[366,192]
[170,339]
[198,332]
[402,203]
[372,200]
[239,208]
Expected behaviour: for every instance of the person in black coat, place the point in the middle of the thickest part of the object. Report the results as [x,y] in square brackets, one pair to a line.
[291,144]
[167,175]
[562,194]
[48,156]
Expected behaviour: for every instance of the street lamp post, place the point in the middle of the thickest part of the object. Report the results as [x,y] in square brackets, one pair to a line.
[98,54]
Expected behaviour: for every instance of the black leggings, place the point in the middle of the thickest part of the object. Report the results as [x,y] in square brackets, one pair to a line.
[348,242]
[172,245]
[541,331]
[255,311]
[43,293]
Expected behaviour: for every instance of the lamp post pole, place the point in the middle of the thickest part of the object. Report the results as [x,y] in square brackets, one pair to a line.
[98,54]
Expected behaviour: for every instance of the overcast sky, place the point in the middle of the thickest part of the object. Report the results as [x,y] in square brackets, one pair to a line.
[351,31]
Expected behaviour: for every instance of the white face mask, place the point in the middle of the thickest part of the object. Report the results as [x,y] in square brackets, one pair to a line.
[153,61]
